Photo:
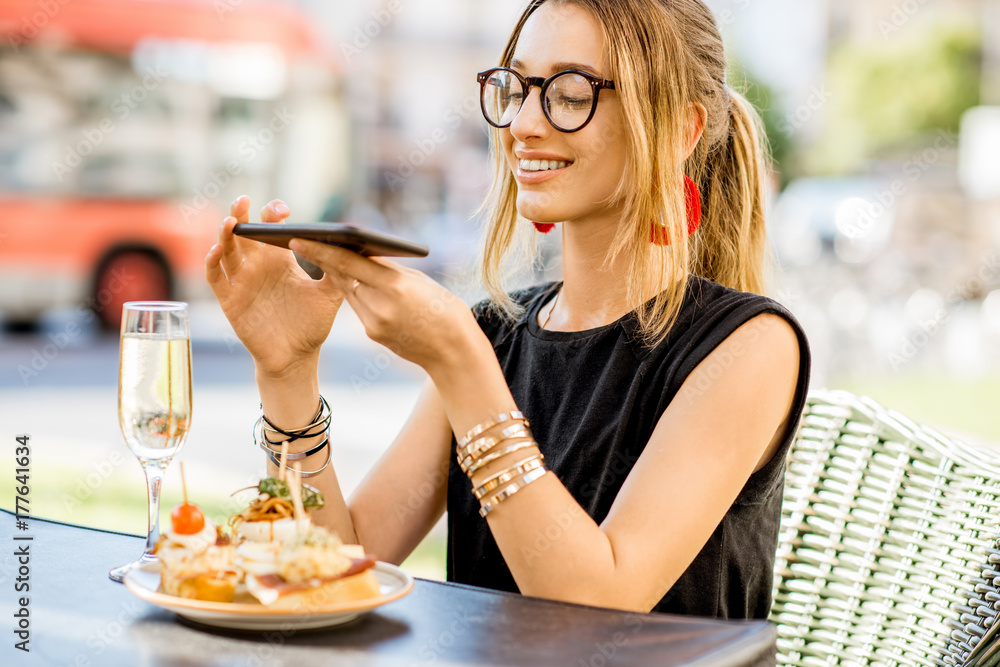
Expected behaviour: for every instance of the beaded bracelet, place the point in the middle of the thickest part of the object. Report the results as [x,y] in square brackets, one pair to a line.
[501,478]
[507,492]
[499,419]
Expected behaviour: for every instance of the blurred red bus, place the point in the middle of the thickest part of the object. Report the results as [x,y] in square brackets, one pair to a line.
[127,127]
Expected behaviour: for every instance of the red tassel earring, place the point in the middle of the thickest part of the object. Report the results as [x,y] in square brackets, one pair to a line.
[692,205]
[544,227]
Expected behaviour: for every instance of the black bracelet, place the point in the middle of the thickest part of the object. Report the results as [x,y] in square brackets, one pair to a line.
[263,433]
[300,455]
[298,433]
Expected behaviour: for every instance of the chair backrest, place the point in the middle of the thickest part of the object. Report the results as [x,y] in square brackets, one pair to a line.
[887,553]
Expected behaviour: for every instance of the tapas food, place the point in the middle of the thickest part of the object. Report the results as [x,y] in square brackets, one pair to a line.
[272,552]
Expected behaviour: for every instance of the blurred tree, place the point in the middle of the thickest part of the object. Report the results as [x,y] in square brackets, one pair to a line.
[885,94]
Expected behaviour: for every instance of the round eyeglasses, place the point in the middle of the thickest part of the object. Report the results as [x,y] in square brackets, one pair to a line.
[568,99]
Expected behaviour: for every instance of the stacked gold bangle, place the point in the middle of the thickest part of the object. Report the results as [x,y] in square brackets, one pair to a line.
[478,448]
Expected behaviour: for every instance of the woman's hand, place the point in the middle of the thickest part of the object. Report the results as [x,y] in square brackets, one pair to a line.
[401,308]
[280,314]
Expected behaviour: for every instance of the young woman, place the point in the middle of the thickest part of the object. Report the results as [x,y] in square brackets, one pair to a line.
[626,427]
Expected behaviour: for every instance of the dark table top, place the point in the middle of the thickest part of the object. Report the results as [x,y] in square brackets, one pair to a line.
[79,617]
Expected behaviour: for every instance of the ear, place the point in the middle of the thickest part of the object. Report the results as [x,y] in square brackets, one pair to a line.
[698,116]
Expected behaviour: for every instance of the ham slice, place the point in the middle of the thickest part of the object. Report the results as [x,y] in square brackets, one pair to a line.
[270,588]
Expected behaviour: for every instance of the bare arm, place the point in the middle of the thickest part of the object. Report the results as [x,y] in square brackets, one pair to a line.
[705,446]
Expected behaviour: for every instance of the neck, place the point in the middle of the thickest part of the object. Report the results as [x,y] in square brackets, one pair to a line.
[592,295]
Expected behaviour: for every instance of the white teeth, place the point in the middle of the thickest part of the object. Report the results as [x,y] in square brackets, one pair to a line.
[542,165]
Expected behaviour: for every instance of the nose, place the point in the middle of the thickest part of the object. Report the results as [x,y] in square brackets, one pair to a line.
[530,120]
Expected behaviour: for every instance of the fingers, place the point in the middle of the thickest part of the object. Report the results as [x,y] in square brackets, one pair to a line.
[236,250]
[385,261]
[214,274]
[231,254]
[342,265]
[240,209]
[275,211]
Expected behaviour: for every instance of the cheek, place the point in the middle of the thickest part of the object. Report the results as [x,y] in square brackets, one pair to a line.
[507,143]
[603,161]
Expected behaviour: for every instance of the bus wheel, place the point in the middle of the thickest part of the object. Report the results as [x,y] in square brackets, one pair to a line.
[128,276]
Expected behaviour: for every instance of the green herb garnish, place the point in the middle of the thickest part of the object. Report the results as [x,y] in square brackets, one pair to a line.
[312,499]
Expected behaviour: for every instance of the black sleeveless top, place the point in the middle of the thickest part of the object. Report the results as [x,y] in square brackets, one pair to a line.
[593,398]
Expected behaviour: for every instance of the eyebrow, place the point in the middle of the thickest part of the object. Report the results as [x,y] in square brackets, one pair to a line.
[561,67]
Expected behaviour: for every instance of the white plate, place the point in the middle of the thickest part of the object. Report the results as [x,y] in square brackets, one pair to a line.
[144,581]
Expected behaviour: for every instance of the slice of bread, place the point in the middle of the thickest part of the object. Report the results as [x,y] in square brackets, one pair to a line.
[207,587]
[275,593]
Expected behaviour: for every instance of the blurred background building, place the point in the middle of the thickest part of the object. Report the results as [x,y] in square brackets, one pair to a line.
[127,127]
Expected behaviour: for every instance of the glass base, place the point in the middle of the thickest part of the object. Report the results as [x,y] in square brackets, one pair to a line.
[118,573]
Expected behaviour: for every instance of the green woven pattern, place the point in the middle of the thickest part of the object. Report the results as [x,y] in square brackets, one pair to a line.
[887,547]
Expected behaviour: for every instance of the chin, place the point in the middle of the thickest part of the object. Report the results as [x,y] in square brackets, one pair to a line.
[532,210]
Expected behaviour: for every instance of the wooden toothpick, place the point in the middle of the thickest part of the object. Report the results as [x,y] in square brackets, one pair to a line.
[294,486]
[184,486]
[283,461]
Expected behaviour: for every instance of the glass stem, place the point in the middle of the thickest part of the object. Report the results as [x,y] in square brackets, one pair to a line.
[154,480]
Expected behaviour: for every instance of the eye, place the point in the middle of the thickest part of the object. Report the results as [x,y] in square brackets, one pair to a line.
[572,102]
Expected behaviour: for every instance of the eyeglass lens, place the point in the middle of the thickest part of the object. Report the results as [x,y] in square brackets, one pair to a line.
[569,99]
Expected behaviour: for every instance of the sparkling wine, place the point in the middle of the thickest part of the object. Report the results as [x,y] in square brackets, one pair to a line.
[154,397]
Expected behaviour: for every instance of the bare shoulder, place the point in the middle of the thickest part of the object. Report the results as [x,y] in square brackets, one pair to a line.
[766,338]
[756,366]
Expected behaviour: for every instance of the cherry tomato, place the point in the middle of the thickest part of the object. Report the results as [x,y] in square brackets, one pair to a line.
[187,519]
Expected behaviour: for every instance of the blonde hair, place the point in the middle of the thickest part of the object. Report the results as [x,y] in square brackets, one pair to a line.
[664,55]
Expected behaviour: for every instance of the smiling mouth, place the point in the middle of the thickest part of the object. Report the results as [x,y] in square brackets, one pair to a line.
[542,165]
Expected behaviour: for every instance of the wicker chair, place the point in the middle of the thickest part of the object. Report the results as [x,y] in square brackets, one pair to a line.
[888,548]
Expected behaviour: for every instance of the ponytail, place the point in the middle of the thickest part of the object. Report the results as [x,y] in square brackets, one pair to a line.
[731,247]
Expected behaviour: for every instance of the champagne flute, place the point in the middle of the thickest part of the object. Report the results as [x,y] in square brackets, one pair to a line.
[154,397]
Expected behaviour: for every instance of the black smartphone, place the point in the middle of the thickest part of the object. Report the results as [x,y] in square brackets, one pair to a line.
[362,241]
